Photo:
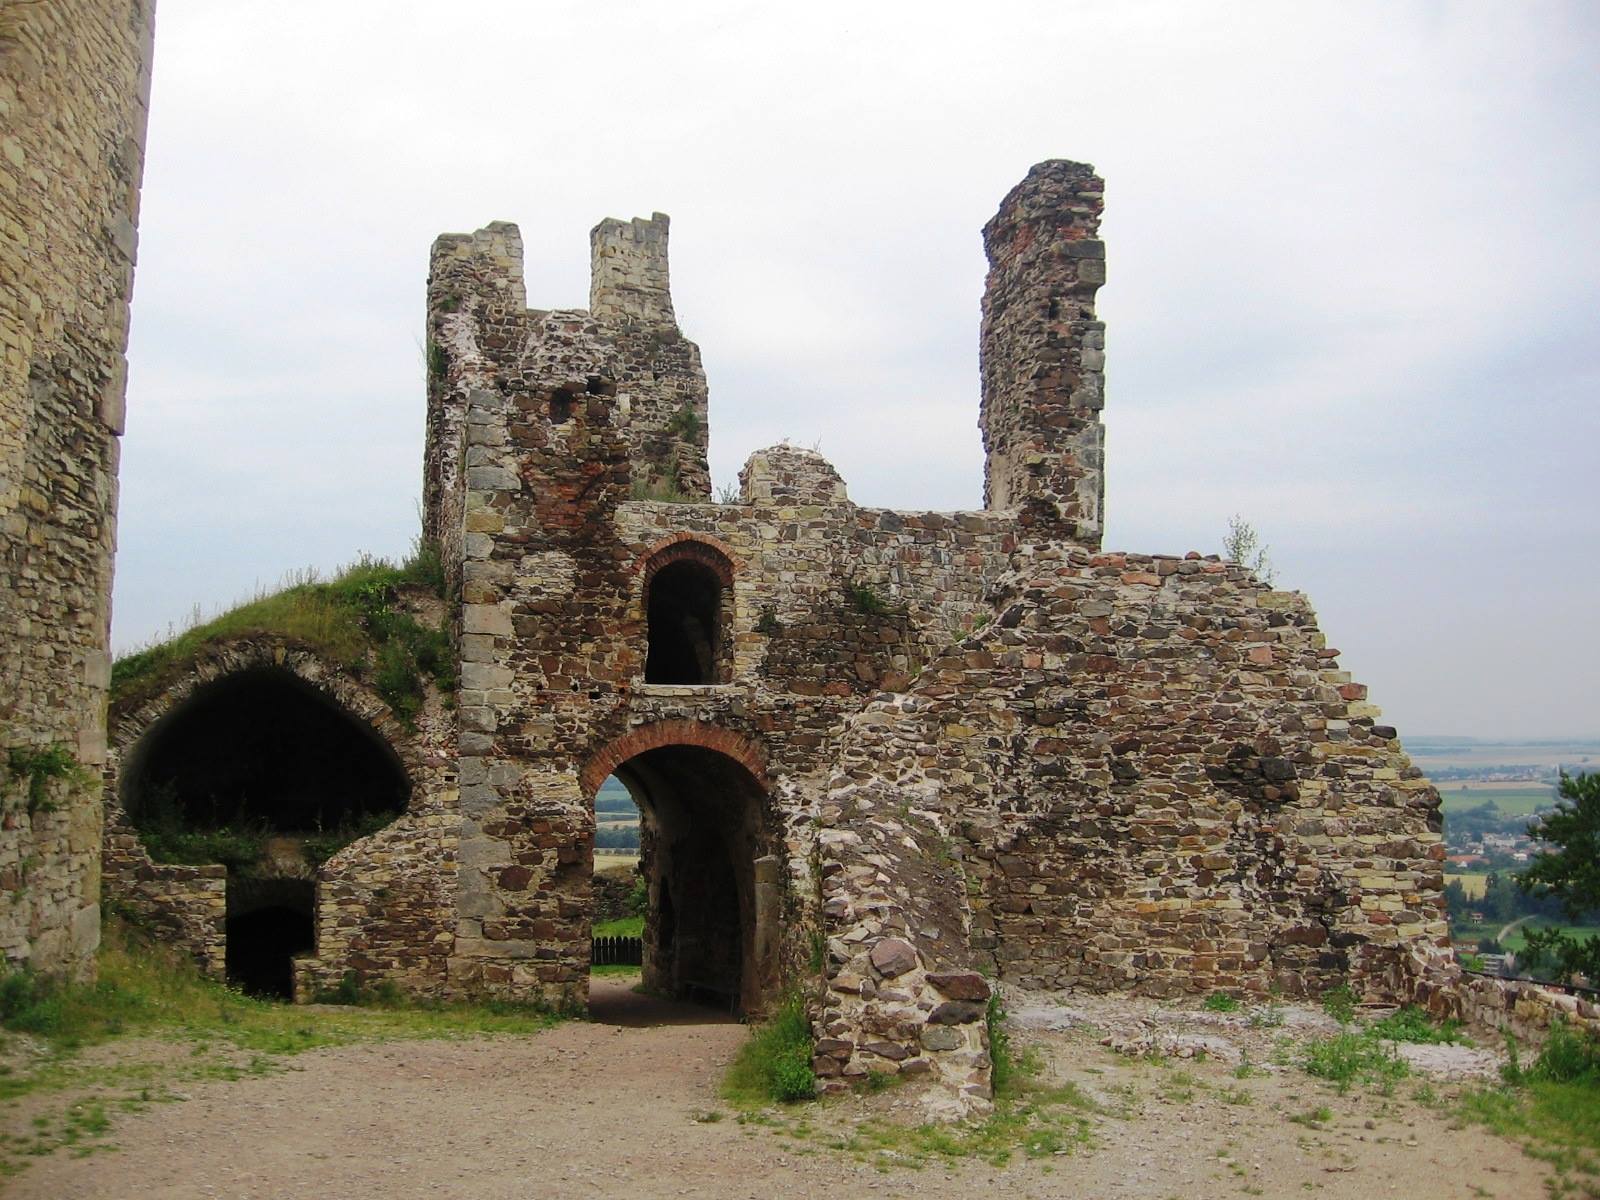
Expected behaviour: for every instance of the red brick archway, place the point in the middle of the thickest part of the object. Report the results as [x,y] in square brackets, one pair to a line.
[745,751]
[702,548]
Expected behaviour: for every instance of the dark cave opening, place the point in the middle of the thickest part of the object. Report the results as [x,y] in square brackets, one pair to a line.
[262,749]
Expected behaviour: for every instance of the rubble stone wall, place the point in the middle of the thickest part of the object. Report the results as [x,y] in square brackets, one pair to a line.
[1147,774]
[185,906]
[1043,354]
[74,92]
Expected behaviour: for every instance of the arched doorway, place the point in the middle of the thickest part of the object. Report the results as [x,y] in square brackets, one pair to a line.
[269,775]
[708,860]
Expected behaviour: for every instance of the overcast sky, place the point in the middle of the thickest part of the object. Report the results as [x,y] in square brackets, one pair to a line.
[1353,255]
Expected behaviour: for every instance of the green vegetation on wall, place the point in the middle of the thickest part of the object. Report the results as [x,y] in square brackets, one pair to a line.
[353,620]
[27,772]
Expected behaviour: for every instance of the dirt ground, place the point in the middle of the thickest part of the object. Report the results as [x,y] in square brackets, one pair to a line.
[627,1105]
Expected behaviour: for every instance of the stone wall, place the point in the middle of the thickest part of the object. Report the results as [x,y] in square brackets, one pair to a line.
[185,906]
[1146,774]
[74,90]
[384,905]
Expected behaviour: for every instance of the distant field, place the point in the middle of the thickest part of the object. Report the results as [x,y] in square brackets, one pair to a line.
[1473,885]
[1512,799]
[605,861]
[1515,942]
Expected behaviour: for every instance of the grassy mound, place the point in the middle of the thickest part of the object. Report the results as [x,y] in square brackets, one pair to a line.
[354,620]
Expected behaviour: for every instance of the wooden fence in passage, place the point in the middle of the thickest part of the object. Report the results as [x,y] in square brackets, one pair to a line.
[616,951]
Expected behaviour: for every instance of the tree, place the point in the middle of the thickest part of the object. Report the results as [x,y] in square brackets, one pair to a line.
[1243,546]
[1570,871]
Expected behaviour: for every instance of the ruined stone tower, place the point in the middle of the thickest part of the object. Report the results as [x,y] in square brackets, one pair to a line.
[1043,354]
[74,90]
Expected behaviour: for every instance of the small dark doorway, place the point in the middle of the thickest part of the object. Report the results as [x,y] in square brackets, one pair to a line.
[269,923]
[684,612]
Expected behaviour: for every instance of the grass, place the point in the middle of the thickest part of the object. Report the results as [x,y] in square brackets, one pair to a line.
[1220,1002]
[1412,1024]
[350,620]
[149,998]
[1552,1108]
[621,927]
[775,1061]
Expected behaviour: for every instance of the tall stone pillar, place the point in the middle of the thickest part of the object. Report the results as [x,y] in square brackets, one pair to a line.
[1043,354]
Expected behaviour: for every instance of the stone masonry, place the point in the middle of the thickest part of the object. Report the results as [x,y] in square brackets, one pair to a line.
[74,88]
[882,756]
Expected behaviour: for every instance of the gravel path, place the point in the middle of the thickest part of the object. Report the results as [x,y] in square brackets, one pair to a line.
[609,1109]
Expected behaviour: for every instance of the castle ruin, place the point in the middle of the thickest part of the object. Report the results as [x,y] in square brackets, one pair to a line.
[881,756]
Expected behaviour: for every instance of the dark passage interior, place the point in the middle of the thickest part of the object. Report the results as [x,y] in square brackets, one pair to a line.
[683,610]
[707,932]
[269,922]
[243,772]
[263,749]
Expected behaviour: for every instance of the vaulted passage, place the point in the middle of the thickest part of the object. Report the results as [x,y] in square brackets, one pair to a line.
[684,609]
[265,773]
[263,749]
[711,929]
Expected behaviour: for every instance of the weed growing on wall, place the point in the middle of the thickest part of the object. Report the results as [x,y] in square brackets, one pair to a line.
[867,601]
[28,771]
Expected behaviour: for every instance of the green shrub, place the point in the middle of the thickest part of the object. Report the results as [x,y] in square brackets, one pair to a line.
[1349,1057]
[1411,1024]
[1340,1004]
[1220,1002]
[1568,1056]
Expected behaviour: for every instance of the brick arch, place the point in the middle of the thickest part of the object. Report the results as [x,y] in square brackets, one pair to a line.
[747,752]
[710,552]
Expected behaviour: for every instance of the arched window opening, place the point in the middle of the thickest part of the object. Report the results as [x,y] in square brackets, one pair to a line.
[684,611]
